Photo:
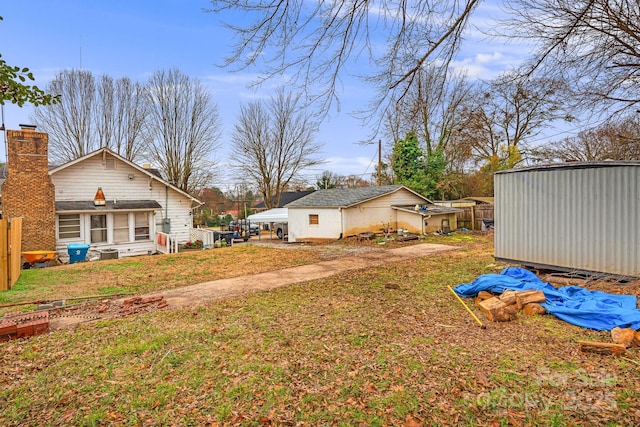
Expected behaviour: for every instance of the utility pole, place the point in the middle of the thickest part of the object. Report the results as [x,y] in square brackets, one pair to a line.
[379,162]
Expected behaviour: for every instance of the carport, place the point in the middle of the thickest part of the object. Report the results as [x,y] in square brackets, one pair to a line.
[272,217]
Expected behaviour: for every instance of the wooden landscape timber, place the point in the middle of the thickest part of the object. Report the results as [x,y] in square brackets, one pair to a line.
[605,348]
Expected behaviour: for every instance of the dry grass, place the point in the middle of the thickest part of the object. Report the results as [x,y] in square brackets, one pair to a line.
[385,346]
[145,274]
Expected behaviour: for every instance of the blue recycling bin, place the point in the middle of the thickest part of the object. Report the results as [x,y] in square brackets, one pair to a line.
[77,252]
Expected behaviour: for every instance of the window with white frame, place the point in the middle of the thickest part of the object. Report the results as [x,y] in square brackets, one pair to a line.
[142,226]
[69,226]
[99,228]
[121,228]
[113,227]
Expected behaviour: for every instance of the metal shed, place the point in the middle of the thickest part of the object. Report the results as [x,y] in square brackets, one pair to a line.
[570,217]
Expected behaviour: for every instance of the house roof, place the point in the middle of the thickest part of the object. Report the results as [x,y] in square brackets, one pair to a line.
[153,174]
[88,205]
[347,197]
[287,197]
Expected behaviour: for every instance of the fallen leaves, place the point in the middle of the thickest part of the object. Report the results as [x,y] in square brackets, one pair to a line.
[340,350]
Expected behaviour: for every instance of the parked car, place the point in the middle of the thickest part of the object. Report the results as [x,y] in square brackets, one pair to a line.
[255,229]
[282,229]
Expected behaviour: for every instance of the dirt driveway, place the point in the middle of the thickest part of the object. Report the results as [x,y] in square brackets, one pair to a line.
[205,292]
[208,291]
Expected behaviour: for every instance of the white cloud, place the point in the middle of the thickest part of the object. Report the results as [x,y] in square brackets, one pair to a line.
[485,58]
[350,165]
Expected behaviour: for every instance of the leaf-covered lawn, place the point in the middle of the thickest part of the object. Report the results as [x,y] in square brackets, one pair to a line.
[385,346]
[144,274]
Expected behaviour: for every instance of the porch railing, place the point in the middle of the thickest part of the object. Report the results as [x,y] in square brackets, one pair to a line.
[167,243]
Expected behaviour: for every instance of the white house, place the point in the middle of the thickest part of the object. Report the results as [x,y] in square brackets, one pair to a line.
[338,213]
[138,204]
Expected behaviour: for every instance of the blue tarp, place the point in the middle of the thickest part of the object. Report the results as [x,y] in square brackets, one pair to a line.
[579,306]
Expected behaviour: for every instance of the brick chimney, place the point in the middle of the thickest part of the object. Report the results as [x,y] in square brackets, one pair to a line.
[28,191]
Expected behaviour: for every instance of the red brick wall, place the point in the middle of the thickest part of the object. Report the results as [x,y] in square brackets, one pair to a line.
[28,191]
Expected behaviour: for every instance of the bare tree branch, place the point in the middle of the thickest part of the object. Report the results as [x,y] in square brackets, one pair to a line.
[89,116]
[312,43]
[594,44]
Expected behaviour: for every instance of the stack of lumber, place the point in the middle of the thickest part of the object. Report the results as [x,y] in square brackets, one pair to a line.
[505,307]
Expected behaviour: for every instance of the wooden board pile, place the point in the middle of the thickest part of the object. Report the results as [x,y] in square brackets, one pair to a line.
[506,306]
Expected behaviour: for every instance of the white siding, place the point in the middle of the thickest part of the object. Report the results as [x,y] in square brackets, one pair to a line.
[79,182]
[372,215]
[328,226]
[575,218]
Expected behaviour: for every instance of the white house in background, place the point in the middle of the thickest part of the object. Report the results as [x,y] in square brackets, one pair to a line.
[138,204]
[344,212]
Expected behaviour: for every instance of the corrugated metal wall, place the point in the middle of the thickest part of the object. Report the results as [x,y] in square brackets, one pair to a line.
[574,216]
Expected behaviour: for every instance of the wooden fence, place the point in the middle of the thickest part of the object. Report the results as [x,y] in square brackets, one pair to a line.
[10,251]
[472,216]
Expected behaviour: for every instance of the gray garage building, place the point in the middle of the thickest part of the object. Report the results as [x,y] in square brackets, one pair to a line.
[582,217]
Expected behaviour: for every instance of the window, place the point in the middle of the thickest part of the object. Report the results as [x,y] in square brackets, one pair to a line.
[69,226]
[120,228]
[98,228]
[142,226]
[313,219]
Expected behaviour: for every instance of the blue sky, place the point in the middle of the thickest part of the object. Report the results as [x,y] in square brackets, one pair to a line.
[135,38]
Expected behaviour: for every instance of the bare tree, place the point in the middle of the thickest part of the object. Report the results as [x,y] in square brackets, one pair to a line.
[121,116]
[69,123]
[183,128]
[273,143]
[505,113]
[594,43]
[615,140]
[313,42]
[89,116]
[355,181]
[432,110]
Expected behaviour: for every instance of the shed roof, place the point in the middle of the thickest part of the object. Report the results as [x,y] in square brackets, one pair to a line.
[574,165]
[487,200]
[347,197]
